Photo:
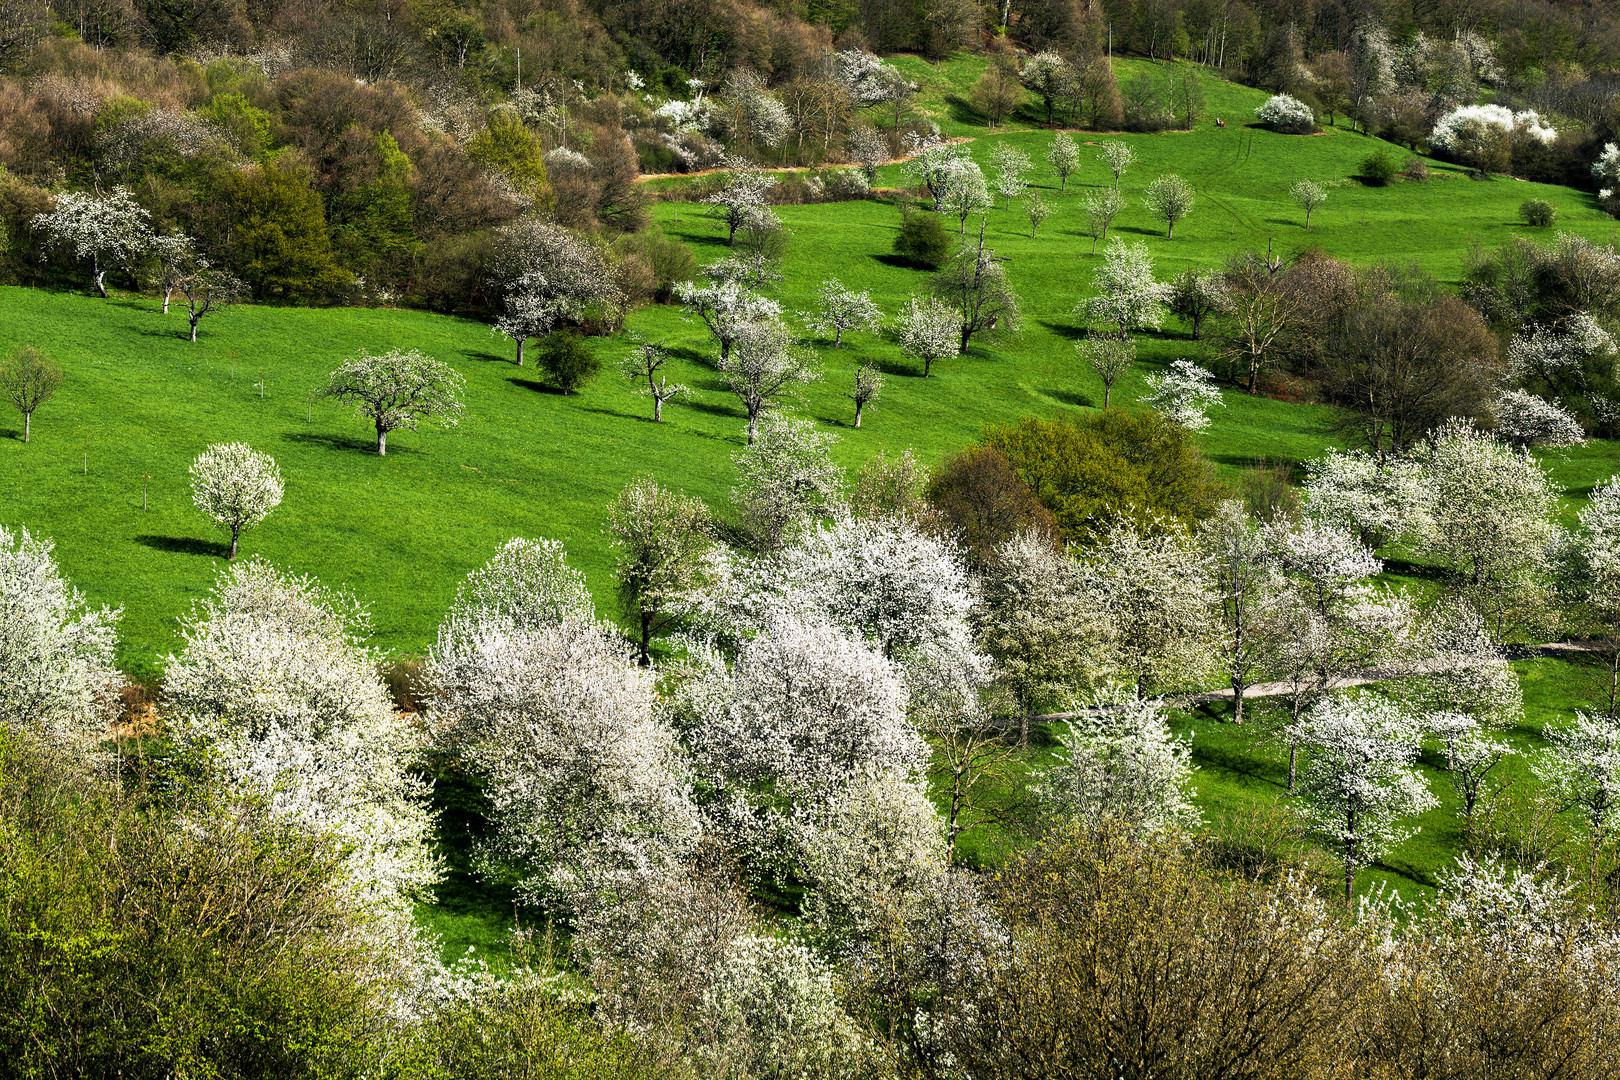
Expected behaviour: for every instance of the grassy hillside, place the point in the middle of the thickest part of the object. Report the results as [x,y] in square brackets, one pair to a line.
[140,401]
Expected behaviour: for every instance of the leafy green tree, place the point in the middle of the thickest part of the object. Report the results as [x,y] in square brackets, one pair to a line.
[567,361]
[371,220]
[512,150]
[274,230]
[1109,466]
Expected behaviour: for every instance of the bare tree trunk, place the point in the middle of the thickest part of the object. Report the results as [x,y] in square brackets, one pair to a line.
[646,638]
[753,425]
[101,282]
[236,534]
[382,440]
[520,342]
[28,419]
[658,409]
[167,293]
[1108,389]
[858,404]
[194,320]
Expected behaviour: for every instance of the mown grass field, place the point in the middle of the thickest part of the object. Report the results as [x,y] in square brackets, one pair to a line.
[139,401]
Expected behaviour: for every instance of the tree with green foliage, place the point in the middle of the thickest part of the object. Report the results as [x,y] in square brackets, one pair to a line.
[28,378]
[512,150]
[1112,465]
[567,361]
[974,284]
[273,229]
[1170,198]
[922,240]
[370,217]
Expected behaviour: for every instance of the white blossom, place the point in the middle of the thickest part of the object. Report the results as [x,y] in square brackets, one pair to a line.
[1360,788]
[786,726]
[725,307]
[1347,488]
[57,677]
[1523,419]
[1505,903]
[765,364]
[966,191]
[1012,167]
[1127,295]
[937,167]
[1282,112]
[1183,394]
[1328,558]
[276,689]
[1582,766]
[784,478]
[745,193]
[776,1008]
[928,329]
[587,782]
[1157,592]
[1597,548]
[1553,352]
[839,309]
[235,487]
[398,390]
[884,579]
[1606,169]
[110,230]
[1121,764]
[1446,129]
[557,273]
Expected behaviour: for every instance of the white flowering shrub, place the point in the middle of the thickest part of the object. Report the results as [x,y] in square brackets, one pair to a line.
[1156,590]
[1121,764]
[1597,549]
[1502,902]
[526,585]
[57,677]
[276,692]
[1447,129]
[886,580]
[1287,114]
[1523,419]
[1551,353]
[839,309]
[1472,677]
[774,1004]
[1328,560]
[928,329]
[562,159]
[235,487]
[843,185]
[1606,170]
[1128,297]
[1582,766]
[1347,488]
[784,479]
[587,781]
[876,849]
[1184,394]
[108,231]
[696,115]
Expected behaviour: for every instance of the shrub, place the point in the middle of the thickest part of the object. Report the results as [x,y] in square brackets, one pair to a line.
[922,240]
[1538,213]
[1416,169]
[1378,168]
[842,185]
[1136,466]
[567,361]
[1288,115]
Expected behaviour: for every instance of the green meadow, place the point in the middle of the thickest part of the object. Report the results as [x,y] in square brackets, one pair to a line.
[106,473]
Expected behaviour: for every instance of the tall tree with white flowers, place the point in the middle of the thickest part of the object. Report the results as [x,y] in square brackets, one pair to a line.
[398,390]
[1360,787]
[766,365]
[726,307]
[839,309]
[929,330]
[1120,763]
[1157,591]
[745,192]
[1064,157]
[109,231]
[587,781]
[235,487]
[784,478]
[277,693]
[1127,298]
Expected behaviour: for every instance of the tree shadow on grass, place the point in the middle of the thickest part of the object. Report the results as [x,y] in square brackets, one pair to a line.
[716,410]
[896,367]
[899,262]
[1135,230]
[487,357]
[963,112]
[1068,331]
[1217,758]
[706,239]
[346,443]
[185,545]
[1069,397]
[537,387]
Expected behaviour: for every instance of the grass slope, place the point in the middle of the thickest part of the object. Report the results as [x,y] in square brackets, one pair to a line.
[140,402]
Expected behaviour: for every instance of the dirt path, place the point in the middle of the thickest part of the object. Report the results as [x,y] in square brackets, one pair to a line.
[1359,678]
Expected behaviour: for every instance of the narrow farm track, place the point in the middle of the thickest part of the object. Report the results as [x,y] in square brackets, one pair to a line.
[1360,678]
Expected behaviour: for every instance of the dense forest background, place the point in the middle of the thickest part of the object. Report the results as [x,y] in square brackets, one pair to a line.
[366,151]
